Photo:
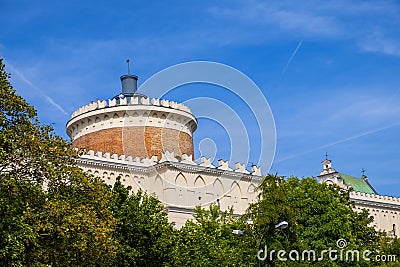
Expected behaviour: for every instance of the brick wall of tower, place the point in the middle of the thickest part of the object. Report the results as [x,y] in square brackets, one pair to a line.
[137,141]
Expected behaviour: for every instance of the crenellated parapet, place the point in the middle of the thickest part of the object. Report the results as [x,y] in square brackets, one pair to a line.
[127,101]
[130,111]
[168,157]
[375,199]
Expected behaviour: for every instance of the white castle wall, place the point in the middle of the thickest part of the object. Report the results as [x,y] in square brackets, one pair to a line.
[181,184]
[384,209]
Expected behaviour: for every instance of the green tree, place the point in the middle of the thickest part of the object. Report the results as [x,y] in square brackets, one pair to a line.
[145,236]
[208,241]
[76,227]
[18,199]
[318,215]
[390,245]
[51,212]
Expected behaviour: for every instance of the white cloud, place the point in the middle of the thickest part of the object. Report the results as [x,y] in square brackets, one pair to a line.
[340,20]
[337,142]
[347,116]
[285,18]
[367,108]
[381,45]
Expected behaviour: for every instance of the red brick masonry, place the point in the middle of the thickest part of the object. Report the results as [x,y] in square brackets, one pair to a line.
[137,141]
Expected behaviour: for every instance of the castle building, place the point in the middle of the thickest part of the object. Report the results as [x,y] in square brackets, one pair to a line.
[148,142]
[384,209]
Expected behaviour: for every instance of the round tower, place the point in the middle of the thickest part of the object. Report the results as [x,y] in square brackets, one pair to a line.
[133,124]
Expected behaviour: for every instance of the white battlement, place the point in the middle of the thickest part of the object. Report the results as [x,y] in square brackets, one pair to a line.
[134,100]
[375,198]
[168,157]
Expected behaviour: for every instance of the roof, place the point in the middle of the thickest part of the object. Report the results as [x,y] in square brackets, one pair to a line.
[358,184]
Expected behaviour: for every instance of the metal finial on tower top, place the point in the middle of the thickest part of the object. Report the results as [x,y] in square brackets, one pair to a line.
[129,69]
[326,155]
[129,82]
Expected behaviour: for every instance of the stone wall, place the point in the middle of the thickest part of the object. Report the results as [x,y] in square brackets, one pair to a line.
[384,209]
[179,183]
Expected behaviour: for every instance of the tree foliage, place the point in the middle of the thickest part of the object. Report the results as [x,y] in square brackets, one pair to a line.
[318,215]
[144,234]
[390,245]
[51,212]
[208,241]
[19,200]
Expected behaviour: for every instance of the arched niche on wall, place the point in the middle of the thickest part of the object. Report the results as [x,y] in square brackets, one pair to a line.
[200,188]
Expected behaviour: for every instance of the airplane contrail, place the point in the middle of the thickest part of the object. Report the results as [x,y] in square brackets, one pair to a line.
[292,56]
[353,137]
[48,98]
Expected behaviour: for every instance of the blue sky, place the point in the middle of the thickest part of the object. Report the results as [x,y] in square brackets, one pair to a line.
[328,69]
